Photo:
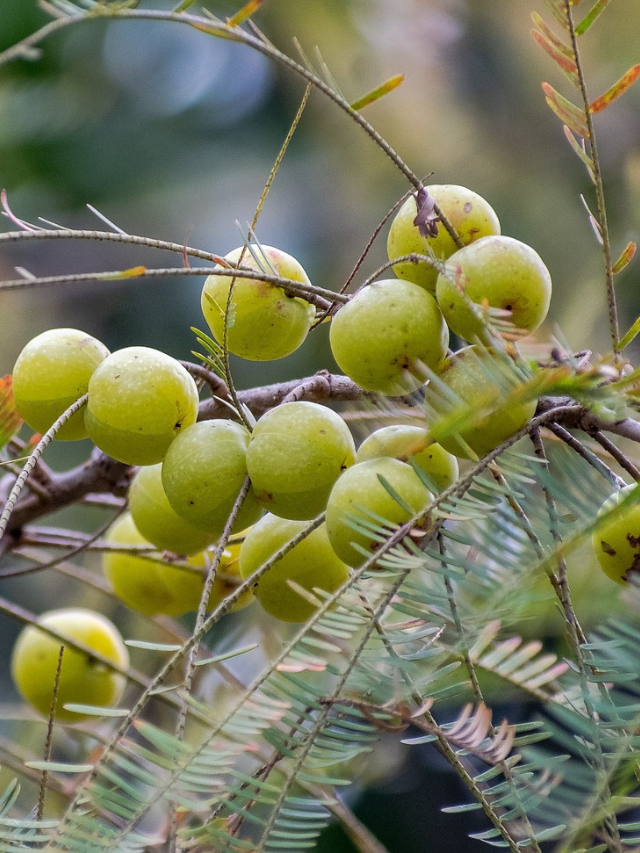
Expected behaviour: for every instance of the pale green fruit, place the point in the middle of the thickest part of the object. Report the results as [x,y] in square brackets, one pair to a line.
[203,473]
[187,588]
[359,493]
[500,272]
[296,453]
[83,679]
[311,563]
[478,381]
[471,216]
[616,543]
[387,334]
[156,519]
[412,444]
[228,576]
[149,586]
[139,400]
[263,323]
[51,373]
[156,587]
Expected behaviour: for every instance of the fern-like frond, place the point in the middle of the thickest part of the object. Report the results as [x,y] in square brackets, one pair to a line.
[577,117]
[213,776]
[524,665]
[213,353]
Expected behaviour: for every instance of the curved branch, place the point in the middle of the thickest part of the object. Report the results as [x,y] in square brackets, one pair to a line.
[319,388]
[98,474]
[318,296]
[101,474]
[112,236]
[586,421]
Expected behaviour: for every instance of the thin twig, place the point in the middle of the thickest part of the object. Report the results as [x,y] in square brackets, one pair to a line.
[621,458]
[412,257]
[32,461]
[85,545]
[612,306]
[48,740]
[109,236]
[593,460]
[318,296]
[371,240]
[261,45]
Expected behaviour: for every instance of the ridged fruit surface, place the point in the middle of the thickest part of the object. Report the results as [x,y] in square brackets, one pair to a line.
[499,272]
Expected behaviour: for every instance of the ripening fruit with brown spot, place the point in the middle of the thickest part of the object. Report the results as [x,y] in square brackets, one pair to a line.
[498,272]
[385,337]
[616,543]
[471,216]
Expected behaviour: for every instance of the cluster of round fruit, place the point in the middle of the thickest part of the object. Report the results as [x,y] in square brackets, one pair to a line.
[300,458]
[376,482]
[301,461]
[385,336]
[394,333]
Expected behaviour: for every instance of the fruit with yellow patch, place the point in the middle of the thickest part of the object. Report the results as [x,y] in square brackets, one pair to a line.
[83,678]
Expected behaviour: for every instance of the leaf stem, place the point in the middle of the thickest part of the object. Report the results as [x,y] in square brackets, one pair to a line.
[577,640]
[49,738]
[612,305]
[33,458]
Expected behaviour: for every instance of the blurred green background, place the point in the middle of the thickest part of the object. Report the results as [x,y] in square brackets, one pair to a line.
[172,134]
